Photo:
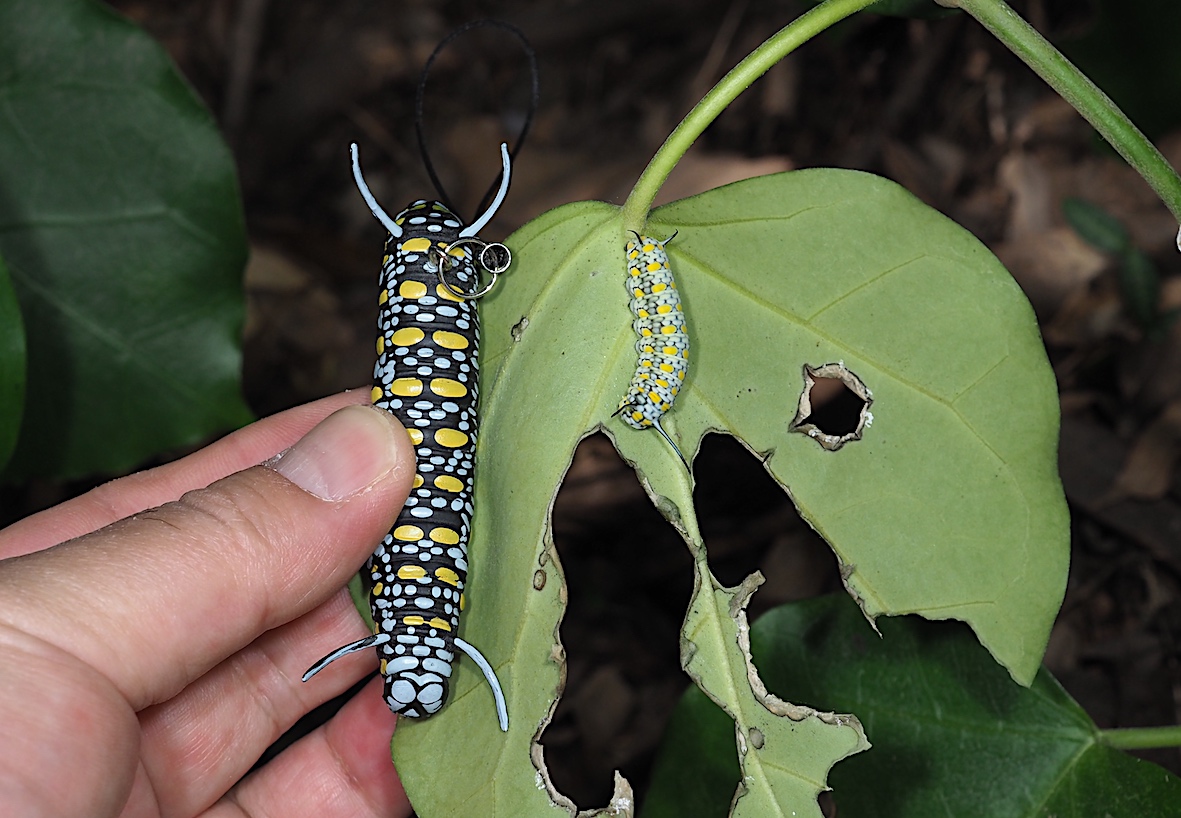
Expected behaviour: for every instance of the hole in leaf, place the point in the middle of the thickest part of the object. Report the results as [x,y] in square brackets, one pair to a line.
[834,406]
[750,524]
[629,578]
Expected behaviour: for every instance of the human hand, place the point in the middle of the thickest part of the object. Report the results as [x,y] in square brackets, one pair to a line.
[147,663]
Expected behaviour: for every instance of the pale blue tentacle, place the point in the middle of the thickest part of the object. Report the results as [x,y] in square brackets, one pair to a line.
[374,207]
[493,682]
[373,640]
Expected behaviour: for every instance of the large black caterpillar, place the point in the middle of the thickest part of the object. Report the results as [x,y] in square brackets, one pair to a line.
[426,375]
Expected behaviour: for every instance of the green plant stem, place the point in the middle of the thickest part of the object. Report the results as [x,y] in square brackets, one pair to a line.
[1095,106]
[782,43]
[1141,738]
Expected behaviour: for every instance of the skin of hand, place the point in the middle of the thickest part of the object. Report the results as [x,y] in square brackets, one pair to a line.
[154,630]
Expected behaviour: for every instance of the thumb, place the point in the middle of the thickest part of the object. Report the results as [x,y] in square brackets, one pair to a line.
[157,599]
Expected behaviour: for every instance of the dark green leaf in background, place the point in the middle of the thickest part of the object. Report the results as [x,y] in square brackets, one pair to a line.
[12,366]
[1140,287]
[1096,225]
[952,733]
[124,237]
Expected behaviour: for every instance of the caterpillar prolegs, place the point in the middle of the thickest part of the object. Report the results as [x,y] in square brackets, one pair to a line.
[427,375]
[662,344]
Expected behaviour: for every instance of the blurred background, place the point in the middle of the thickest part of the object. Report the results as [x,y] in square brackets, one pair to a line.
[936,105]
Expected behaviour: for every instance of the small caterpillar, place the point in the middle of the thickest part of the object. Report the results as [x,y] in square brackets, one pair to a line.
[426,375]
[663,344]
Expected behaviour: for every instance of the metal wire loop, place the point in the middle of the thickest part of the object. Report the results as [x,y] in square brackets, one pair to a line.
[493,263]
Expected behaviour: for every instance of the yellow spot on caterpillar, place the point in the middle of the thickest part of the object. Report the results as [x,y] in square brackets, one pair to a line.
[661,382]
[380,344]
[383,297]
[449,340]
[406,387]
[447,575]
[659,288]
[445,536]
[413,620]
[447,388]
[416,245]
[655,398]
[664,309]
[638,293]
[411,572]
[407,336]
[386,258]
[413,289]
[448,483]
[408,533]
[418,481]
[649,247]
[443,292]
[451,438]
[647,333]
[668,329]
[441,624]
[377,589]
[666,367]
[382,668]
[457,252]
[375,395]
[670,350]
[415,436]
[643,313]
[653,266]
[462,603]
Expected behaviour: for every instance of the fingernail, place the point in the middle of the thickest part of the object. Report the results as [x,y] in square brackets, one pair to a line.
[346,452]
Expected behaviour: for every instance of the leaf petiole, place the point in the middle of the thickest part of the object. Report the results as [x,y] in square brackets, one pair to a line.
[1141,738]
[741,77]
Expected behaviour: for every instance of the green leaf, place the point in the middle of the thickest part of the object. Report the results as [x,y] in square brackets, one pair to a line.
[12,366]
[1096,225]
[949,505]
[696,771]
[1140,287]
[121,226]
[953,735]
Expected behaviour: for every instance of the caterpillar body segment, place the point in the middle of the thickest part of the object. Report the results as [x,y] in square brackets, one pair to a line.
[662,342]
[427,375]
